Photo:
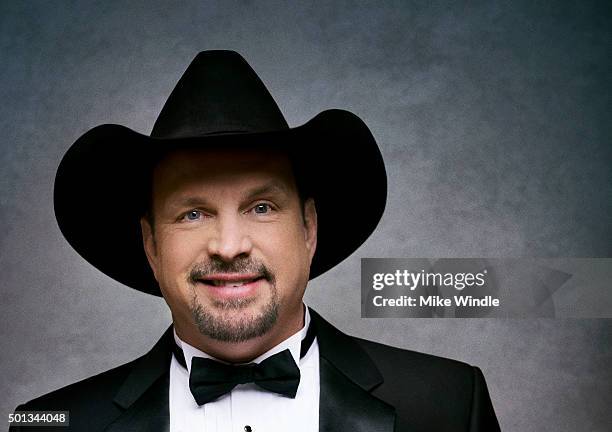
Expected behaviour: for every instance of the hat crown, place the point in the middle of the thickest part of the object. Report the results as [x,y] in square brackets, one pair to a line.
[219,92]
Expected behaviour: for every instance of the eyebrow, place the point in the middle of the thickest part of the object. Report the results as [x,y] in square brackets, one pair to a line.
[268,188]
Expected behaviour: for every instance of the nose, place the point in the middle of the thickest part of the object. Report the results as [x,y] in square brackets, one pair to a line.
[230,240]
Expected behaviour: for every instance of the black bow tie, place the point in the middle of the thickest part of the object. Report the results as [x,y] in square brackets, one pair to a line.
[210,379]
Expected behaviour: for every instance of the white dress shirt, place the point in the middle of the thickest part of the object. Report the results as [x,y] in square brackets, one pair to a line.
[249,404]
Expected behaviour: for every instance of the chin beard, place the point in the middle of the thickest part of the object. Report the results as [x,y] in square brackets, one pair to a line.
[212,322]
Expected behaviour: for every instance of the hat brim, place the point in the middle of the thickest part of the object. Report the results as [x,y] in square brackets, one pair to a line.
[101,188]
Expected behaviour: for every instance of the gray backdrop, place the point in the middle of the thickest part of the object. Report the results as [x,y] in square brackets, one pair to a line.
[493,119]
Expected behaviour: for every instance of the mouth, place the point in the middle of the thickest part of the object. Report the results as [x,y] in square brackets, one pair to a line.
[232,285]
[230,280]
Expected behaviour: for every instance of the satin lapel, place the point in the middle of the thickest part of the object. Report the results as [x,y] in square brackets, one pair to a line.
[345,406]
[347,377]
[144,393]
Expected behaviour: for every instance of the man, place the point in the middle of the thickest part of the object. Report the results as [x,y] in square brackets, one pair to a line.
[227,212]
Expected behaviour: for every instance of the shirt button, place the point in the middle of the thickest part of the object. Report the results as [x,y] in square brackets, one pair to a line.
[247,428]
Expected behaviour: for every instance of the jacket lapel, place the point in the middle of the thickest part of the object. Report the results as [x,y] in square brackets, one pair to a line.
[144,393]
[347,377]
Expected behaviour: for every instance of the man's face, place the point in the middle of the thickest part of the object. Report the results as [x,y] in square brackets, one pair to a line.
[229,245]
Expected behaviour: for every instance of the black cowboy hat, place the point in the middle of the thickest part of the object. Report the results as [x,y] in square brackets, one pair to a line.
[102,183]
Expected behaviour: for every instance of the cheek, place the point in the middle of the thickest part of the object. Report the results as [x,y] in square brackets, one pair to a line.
[177,254]
[285,251]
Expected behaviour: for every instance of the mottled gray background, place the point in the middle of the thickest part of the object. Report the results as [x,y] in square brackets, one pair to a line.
[493,119]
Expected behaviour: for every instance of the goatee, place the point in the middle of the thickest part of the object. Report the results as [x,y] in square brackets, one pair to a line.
[212,322]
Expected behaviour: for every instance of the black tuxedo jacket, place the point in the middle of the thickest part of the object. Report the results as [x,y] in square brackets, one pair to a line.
[365,387]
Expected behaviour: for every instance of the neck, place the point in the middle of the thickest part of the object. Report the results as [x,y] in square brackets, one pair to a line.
[246,351]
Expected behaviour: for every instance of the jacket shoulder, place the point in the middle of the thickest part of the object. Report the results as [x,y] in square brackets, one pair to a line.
[90,399]
[102,386]
[389,359]
[99,400]
[431,390]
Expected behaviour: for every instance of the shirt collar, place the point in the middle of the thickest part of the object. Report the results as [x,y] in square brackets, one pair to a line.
[293,343]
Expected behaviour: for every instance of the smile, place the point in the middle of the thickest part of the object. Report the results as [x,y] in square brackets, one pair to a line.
[230,279]
[232,285]
[223,283]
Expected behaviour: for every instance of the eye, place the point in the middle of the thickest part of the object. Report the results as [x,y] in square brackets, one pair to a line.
[192,215]
[262,208]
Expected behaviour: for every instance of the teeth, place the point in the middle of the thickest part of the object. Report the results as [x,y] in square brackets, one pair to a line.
[220,283]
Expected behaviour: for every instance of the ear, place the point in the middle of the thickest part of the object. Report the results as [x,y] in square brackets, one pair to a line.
[148,241]
[310,226]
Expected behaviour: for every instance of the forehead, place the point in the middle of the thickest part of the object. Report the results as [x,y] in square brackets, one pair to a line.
[227,168]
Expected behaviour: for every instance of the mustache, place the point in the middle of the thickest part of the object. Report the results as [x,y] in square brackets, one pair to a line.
[203,270]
